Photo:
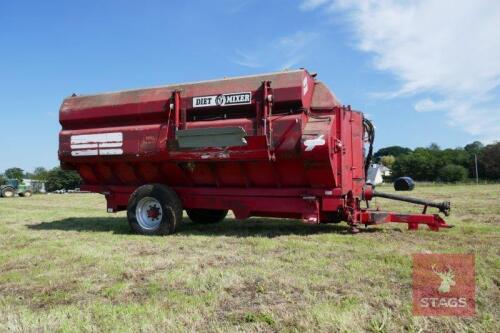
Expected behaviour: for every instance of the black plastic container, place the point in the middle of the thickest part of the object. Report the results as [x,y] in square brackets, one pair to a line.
[404,184]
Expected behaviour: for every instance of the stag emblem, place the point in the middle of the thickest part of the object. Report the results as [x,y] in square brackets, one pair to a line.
[447,279]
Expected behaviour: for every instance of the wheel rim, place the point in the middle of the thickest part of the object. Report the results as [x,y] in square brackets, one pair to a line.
[149,213]
[27,194]
[8,194]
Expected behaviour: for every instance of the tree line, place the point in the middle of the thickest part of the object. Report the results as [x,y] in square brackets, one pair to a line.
[446,165]
[55,179]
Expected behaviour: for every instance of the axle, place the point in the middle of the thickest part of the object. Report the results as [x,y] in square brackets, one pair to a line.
[444,207]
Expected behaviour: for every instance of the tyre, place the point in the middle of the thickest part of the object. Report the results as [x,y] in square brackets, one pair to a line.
[27,194]
[154,209]
[206,216]
[8,192]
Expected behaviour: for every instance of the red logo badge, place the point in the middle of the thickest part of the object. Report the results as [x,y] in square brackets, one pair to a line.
[444,285]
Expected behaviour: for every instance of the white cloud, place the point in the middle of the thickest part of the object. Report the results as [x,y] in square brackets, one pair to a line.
[294,47]
[312,4]
[281,53]
[235,6]
[427,104]
[245,59]
[448,49]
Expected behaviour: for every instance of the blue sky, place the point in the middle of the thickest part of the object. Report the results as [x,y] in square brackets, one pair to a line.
[420,75]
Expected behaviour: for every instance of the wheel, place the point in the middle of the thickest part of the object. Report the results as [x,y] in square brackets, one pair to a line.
[26,194]
[8,192]
[206,216]
[154,209]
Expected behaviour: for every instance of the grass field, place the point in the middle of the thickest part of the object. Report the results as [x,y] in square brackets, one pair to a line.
[67,265]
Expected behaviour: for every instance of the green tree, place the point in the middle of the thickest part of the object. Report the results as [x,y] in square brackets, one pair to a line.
[434,146]
[490,161]
[58,179]
[388,161]
[395,151]
[474,148]
[2,180]
[421,164]
[452,173]
[433,163]
[14,173]
[40,173]
[457,156]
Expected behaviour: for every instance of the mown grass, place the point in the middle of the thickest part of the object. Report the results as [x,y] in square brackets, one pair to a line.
[66,265]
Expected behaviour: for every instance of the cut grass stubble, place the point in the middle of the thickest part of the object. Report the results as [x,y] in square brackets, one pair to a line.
[66,265]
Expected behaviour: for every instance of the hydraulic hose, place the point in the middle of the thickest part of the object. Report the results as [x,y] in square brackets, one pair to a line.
[370,132]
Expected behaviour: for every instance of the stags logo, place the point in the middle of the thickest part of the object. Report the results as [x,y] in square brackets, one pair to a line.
[447,279]
[443,285]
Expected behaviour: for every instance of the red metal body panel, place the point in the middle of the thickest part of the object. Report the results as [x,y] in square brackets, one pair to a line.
[303,156]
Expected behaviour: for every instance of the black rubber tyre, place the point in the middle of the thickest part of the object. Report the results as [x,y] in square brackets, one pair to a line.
[171,209]
[26,194]
[8,192]
[206,216]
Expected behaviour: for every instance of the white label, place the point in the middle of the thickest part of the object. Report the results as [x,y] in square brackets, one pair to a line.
[110,152]
[311,143]
[97,144]
[86,152]
[222,100]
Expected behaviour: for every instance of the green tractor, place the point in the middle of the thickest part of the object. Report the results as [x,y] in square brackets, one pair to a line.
[12,187]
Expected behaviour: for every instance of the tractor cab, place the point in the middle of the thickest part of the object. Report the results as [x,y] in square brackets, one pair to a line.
[14,183]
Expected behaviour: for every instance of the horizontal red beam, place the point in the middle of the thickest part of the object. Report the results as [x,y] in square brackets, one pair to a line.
[228,191]
[433,221]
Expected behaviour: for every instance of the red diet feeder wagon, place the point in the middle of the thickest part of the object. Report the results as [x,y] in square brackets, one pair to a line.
[277,145]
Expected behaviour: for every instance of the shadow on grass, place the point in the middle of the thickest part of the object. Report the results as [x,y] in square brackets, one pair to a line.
[259,227]
[86,224]
[254,227]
